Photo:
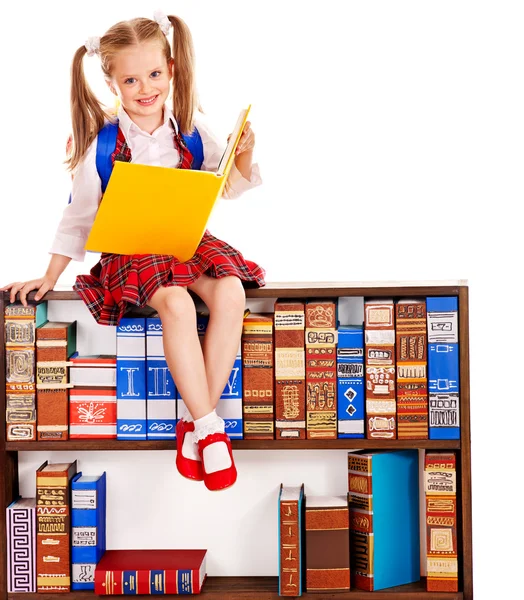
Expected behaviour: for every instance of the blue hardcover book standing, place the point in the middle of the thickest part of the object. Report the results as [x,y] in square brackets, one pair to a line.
[88,528]
[161,390]
[443,368]
[131,379]
[350,381]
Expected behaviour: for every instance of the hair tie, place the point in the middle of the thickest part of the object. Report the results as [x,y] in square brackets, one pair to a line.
[92,45]
[163,22]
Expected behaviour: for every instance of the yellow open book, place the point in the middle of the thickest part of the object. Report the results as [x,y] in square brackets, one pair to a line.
[157,210]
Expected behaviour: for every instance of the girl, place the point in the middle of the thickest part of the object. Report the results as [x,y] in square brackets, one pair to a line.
[138,67]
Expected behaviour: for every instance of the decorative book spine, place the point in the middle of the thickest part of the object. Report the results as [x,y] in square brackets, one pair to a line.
[327,544]
[290,557]
[258,377]
[441,522]
[350,381]
[53,518]
[321,369]
[161,391]
[379,331]
[20,326]
[290,370]
[361,520]
[443,368]
[412,382]
[21,546]
[88,528]
[131,379]
[52,383]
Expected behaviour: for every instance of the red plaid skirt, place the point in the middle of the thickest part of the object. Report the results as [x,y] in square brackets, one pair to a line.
[118,281]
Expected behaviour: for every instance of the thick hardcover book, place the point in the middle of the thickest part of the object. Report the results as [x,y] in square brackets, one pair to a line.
[53,519]
[327,544]
[258,377]
[21,545]
[131,379]
[321,369]
[379,340]
[290,540]
[161,390]
[440,483]
[350,381]
[54,331]
[412,381]
[88,528]
[92,413]
[133,572]
[443,368]
[20,325]
[290,370]
[384,518]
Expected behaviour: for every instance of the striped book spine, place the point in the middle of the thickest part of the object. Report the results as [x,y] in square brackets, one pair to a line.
[131,379]
[161,390]
[229,406]
[21,545]
[350,381]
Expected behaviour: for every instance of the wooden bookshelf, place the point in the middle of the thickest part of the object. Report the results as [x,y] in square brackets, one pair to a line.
[266,588]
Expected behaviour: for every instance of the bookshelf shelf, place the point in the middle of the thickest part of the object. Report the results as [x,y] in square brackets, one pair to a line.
[266,588]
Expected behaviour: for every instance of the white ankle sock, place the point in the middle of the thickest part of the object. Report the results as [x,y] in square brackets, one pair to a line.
[216,456]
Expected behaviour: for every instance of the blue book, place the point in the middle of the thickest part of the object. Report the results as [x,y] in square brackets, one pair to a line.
[88,528]
[161,390]
[131,379]
[443,368]
[350,382]
[384,518]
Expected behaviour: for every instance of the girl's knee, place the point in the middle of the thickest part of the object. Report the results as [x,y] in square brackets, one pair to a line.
[173,301]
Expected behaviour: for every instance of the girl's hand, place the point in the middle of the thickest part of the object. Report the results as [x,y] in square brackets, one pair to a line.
[42,285]
[247,140]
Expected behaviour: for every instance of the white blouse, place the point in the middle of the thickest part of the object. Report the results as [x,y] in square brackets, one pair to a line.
[156,149]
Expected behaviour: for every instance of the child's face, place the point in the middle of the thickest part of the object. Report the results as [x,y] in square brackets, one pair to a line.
[141,78]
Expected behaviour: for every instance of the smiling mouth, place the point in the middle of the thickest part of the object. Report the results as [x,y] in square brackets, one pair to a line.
[148,101]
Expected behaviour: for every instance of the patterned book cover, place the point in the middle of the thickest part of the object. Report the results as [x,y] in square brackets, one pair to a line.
[133,572]
[290,540]
[21,545]
[412,381]
[88,528]
[443,368]
[161,390]
[327,544]
[350,381]
[321,369]
[53,520]
[290,369]
[384,518]
[92,413]
[379,340]
[258,377]
[20,325]
[440,483]
[131,379]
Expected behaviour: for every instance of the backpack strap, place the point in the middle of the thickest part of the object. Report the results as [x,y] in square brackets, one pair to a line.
[105,146]
[194,144]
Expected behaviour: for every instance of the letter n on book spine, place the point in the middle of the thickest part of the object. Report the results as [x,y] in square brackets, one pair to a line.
[21,545]
[131,379]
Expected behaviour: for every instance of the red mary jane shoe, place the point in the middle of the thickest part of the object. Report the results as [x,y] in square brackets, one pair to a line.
[219,480]
[187,467]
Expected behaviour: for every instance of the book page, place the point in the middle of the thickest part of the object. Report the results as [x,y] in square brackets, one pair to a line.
[233,141]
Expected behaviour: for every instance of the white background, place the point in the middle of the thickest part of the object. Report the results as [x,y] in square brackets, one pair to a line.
[390,139]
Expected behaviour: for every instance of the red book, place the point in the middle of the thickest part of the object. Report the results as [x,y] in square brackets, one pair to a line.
[150,572]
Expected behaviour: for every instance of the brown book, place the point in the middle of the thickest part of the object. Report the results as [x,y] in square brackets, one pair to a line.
[291,539]
[321,369]
[290,370]
[327,544]
[53,527]
[258,377]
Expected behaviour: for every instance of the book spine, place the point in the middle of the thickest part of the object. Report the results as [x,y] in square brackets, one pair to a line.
[440,483]
[92,413]
[258,379]
[229,406]
[142,582]
[443,368]
[321,369]
[412,382]
[131,379]
[290,370]
[290,548]
[379,340]
[161,391]
[21,549]
[361,521]
[56,352]
[350,382]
